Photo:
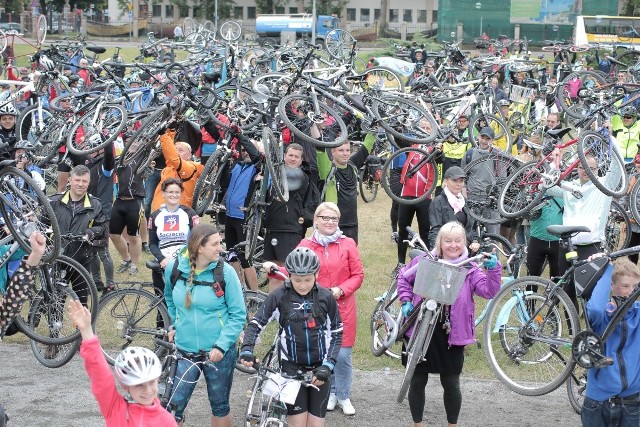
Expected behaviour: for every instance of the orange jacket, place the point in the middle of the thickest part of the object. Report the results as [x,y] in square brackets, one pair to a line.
[186,170]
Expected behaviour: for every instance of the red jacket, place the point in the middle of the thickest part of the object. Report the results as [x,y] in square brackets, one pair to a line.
[416,185]
[113,406]
[340,266]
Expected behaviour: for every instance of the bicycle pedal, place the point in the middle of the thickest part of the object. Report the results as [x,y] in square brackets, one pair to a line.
[603,362]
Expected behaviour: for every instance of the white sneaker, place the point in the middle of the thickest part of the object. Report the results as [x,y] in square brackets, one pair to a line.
[347,407]
[333,400]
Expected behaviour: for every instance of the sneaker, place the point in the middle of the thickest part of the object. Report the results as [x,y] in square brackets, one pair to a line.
[110,288]
[333,401]
[394,237]
[133,270]
[124,266]
[51,352]
[145,247]
[347,407]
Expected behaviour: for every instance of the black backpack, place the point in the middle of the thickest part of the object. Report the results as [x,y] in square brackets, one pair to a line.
[312,316]
[218,274]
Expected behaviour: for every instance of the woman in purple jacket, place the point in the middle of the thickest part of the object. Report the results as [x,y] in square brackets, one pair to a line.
[445,355]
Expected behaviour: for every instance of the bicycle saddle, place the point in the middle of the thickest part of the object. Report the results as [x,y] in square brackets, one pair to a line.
[565,231]
[558,133]
[96,49]
[153,265]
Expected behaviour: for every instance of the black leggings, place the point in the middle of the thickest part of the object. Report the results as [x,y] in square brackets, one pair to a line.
[396,188]
[452,396]
[634,241]
[405,218]
[540,250]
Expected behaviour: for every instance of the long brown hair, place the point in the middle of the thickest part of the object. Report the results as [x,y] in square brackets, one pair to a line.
[198,237]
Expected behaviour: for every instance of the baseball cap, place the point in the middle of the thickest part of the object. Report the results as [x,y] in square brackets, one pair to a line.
[488,132]
[455,172]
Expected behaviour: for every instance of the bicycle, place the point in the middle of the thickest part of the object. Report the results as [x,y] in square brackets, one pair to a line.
[7,39]
[533,339]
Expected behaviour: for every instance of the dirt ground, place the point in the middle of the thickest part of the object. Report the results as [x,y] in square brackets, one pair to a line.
[36,396]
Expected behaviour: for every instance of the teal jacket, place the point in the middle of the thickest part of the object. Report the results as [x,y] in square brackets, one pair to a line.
[211,321]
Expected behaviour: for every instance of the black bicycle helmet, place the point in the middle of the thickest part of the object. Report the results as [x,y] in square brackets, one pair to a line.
[302,261]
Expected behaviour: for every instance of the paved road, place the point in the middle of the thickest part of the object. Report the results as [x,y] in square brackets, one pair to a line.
[36,396]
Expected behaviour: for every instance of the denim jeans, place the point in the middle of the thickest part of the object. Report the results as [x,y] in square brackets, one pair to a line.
[342,375]
[218,383]
[599,414]
[150,185]
[103,256]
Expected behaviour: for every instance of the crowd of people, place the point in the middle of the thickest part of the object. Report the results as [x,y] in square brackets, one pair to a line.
[313,239]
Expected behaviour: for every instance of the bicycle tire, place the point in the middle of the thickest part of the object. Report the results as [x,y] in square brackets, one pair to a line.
[253,301]
[115,121]
[299,115]
[338,43]
[120,324]
[238,105]
[525,365]
[273,85]
[507,247]
[551,48]
[25,207]
[144,137]
[634,201]
[483,195]
[3,41]
[385,180]
[195,43]
[592,143]
[618,228]
[41,29]
[367,186]
[63,354]
[30,128]
[378,78]
[253,223]
[576,388]
[575,106]
[378,321]
[416,352]
[208,185]
[521,192]
[54,283]
[402,118]
[176,73]
[499,127]
[274,158]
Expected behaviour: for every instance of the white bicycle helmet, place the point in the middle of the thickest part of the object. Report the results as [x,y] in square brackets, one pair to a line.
[8,110]
[137,365]
[46,63]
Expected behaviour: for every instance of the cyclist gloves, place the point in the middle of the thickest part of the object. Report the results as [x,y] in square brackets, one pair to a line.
[491,262]
[322,373]
[407,307]
[246,356]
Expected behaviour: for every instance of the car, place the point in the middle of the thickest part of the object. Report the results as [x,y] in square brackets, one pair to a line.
[12,26]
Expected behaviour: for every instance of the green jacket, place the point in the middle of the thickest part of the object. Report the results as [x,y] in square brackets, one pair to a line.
[211,321]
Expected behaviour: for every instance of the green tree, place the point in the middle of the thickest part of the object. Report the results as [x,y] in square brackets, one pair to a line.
[631,8]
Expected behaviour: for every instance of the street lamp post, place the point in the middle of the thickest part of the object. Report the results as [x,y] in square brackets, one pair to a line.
[479,6]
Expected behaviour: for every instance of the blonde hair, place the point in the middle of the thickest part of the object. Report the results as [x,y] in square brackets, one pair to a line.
[183,145]
[624,267]
[450,228]
[328,206]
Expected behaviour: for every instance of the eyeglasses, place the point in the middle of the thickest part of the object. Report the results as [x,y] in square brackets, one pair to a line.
[329,218]
[628,117]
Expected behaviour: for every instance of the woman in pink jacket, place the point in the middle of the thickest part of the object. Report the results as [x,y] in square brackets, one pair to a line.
[455,328]
[340,271]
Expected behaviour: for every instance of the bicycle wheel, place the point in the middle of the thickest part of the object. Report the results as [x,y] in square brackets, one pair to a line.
[96,129]
[253,227]
[618,228]
[208,187]
[263,409]
[238,105]
[274,158]
[41,29]
[577,388]
[25,208]
[188,26]
[419,166]
[567,92]
[44,319]
[130,317]
[381,325]
[528,336]
[230,31]
[486,179]
[499,127]
[195,43]
[367,185]
[145,137]
[176,73]
[522,192]
[3,41]
[610,176]
[634,201]
[55,356]
[34,124]
[253,301]
[381,79]
[416,349]
[273,85]
[313,122]
[338,43]
[405,120]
